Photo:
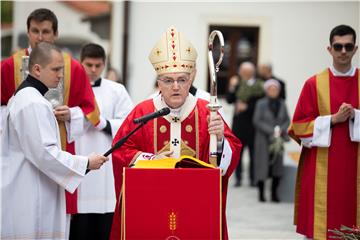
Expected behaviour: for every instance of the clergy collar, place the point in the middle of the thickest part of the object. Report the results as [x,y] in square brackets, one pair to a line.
[349,73]
[97,83]
[173,111]
[183,112]
[30,81]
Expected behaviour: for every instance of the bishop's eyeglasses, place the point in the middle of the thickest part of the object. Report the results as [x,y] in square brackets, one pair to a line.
[181,81]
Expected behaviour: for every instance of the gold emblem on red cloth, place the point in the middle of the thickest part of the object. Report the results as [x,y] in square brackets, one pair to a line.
[188,128]
[172,226]
[172,221]
[163,129]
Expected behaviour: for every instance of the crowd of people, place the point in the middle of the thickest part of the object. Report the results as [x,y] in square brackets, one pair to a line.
[260,121]
[50,171]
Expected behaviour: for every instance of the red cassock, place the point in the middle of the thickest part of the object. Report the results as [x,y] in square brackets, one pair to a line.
[154,137]
[328,181]
[77,93]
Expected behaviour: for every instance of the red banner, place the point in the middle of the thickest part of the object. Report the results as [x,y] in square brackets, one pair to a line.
[171,204]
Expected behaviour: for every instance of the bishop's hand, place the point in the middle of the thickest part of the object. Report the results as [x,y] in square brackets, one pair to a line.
[165,154]
[216,126]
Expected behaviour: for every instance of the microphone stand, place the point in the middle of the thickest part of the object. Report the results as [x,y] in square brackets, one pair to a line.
[124,139]
[121,141]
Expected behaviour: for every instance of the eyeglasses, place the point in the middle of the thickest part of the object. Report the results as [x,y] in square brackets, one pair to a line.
[339,47]
[170,82]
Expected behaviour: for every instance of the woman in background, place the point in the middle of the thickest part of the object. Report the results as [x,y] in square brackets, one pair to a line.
[271,121]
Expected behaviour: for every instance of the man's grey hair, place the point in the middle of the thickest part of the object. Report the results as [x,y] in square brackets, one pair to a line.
[266,64]
[247,65]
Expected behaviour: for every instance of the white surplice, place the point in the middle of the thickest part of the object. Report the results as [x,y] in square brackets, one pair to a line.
[34,170]
[96,194]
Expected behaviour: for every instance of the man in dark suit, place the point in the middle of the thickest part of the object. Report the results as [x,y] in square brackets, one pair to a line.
[244,90]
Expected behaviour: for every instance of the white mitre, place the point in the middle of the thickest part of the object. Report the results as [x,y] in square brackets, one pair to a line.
[173,53]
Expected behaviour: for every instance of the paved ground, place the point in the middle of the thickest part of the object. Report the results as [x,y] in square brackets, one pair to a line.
[250,219]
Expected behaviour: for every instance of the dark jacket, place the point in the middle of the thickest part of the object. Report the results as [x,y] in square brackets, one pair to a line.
[264,122]
[242,125]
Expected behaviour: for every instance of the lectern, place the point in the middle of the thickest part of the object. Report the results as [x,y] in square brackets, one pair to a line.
[179,203]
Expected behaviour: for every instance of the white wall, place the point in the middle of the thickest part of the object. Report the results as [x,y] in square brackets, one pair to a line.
[116,35]
[69,21]
[293,36]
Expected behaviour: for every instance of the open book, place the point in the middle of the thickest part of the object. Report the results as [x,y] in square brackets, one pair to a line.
[182,162]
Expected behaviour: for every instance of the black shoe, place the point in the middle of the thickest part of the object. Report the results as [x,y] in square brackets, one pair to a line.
[274,188]
[261,191]
[275,199]
[237,184]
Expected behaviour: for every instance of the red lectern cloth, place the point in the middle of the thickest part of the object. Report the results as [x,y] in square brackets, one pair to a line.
[171,204]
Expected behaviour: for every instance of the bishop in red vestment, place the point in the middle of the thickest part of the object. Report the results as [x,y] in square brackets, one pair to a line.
[185,131]
[77,91]
[326,123]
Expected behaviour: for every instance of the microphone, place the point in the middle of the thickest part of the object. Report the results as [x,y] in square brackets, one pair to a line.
[142,120]
[161,112]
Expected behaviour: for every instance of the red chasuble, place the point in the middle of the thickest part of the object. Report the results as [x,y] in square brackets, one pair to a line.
[328,181]
[77,92]
[154,138]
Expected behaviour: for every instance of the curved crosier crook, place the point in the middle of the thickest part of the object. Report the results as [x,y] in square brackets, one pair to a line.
[214,106]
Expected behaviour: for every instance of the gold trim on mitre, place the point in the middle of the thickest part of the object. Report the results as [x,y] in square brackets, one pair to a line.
[173,53]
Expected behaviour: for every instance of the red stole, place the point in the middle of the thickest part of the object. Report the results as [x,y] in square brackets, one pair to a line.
[328,181]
